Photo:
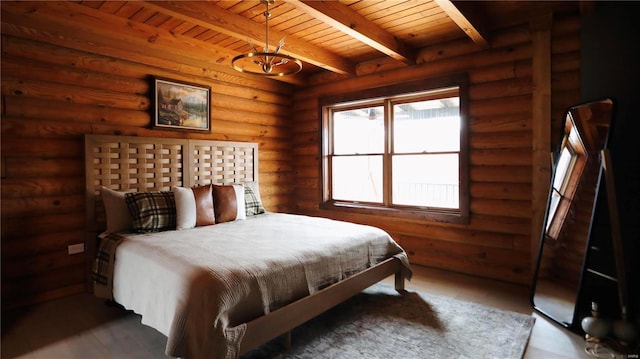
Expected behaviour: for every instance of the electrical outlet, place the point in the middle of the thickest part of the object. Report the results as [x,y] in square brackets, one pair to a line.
[76,248]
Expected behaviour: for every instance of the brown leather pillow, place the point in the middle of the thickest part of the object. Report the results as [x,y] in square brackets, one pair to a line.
[224,203]
[205,212]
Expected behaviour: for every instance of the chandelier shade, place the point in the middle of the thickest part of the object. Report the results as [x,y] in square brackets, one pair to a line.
[267,63]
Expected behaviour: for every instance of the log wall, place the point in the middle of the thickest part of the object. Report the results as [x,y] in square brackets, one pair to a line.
[497,242]
[60,83]
[63,78]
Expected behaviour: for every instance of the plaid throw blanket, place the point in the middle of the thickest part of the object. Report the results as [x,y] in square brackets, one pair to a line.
[103,266]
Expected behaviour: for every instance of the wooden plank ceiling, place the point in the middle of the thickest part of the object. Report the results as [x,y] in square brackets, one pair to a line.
[326,35]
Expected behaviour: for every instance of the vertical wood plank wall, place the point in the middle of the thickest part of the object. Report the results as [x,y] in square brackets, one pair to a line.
[497,242]
[55,89]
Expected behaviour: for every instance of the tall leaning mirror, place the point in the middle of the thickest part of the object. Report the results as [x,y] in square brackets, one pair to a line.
[567,225]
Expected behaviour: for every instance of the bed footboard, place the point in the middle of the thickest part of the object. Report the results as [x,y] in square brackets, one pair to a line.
[281,321]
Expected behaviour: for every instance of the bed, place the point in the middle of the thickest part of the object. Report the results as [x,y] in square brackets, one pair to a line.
[218,291]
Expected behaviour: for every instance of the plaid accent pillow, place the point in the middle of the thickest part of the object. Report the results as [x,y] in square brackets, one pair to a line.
[252,202]
[152,211]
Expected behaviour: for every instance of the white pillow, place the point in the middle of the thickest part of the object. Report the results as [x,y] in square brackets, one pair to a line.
[242,212]
[185,208]
[116,210]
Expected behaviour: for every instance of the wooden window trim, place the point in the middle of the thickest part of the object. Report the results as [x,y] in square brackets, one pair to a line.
[458,216]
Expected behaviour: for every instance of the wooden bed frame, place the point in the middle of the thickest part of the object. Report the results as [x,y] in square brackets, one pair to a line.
[127,163]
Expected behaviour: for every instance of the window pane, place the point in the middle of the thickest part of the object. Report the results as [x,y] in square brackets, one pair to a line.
[357,178]
[553,208]
[427,126]
[562,169]
[426,180]
[358,131]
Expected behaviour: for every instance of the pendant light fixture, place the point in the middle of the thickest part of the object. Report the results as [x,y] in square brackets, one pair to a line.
[267,63]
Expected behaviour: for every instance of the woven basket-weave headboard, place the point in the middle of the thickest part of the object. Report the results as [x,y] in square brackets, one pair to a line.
[129,163]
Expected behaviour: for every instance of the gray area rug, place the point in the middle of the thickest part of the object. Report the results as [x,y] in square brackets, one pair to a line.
[381,323]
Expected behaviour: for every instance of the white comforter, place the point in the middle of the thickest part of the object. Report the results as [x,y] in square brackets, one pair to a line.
[199,286]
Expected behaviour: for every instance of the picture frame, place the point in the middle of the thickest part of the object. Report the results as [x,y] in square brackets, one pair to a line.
[181,106]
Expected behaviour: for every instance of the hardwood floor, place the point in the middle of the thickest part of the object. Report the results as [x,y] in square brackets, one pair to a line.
[82,326]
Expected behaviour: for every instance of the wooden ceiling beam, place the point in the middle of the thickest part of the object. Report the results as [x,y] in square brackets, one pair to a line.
[348,21]
[469,21]
[213,17]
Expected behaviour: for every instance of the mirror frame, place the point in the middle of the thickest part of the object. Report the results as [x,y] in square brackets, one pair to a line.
[573,325]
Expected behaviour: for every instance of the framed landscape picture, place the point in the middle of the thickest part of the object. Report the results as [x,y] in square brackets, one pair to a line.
[181,105]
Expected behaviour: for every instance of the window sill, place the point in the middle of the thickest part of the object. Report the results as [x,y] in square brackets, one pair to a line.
[432,215]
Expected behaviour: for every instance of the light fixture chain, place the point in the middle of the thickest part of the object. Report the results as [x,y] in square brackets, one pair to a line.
[267,15]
